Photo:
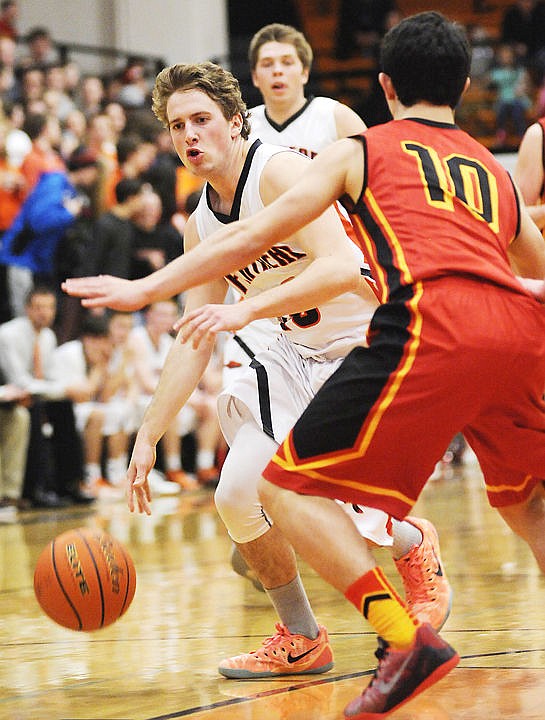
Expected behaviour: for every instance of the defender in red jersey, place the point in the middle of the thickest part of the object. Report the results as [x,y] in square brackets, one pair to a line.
[458,345]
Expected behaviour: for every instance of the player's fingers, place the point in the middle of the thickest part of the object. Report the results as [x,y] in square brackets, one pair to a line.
[130,497]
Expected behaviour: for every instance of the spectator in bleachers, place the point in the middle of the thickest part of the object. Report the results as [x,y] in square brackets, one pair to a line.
[12,193]
[44,132]
[162,174]
[523,26]
[83,365]
[54,465]
[155,242]
[74,134]
[48,211]
[113,231]
[118,116]
[72,78]
[32,86]
[91,96]
[134,158]
[14,437]
[151,343]
[482,53]
[361,25]
[132,89]
[512,85]
[10,86]
[55,93]
[9,15]
[100,140]
[41,49]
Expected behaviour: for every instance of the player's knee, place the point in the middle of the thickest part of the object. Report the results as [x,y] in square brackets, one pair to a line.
[266,491]
[240,510]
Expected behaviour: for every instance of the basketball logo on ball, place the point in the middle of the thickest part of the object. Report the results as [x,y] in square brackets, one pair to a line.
[84,579]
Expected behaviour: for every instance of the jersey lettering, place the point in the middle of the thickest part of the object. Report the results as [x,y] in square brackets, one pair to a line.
[302,320]
[277,256]
[465,178]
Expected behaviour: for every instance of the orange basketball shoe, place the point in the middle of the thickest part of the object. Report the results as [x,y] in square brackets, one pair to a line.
[183,479]
[282,654]
[427,591]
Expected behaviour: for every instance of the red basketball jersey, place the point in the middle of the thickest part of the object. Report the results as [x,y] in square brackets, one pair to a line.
[417,173]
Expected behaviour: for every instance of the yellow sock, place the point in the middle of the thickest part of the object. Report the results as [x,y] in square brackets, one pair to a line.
[379,603]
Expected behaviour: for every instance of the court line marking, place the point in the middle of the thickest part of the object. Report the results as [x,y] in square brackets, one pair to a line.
[347,676]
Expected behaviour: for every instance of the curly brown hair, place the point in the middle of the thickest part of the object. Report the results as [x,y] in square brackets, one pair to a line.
[218,83]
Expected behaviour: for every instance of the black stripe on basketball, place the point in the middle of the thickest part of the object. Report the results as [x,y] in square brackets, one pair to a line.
[98,578]
[59,582]
[128,582]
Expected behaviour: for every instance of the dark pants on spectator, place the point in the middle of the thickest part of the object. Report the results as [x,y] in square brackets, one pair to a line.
[55,452]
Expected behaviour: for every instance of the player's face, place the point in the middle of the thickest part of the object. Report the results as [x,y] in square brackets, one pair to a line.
[279,73]
[200,133]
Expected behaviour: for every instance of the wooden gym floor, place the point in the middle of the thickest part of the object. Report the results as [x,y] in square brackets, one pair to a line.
[190,610]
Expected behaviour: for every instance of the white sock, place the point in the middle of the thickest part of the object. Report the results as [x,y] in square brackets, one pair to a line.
[116,469]
[92,472]
[205,459]
[406,536]
[173,462]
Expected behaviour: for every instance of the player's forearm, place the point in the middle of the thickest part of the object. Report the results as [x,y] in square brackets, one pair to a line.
[233,247]
[320,282]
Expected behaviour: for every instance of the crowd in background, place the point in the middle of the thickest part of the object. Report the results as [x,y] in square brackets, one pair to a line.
[90,184]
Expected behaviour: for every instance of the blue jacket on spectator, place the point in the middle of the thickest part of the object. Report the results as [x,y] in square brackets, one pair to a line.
[32,239]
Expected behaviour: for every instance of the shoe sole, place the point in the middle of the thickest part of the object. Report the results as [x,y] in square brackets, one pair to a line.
[235,674]
[433,678]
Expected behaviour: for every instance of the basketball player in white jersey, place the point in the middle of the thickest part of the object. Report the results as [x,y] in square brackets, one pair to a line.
[207,118]
[280,60]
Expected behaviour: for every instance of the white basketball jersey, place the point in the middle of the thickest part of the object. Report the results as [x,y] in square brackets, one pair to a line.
[315,122]
[331,330]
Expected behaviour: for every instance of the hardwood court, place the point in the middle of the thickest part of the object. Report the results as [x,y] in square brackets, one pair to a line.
[190,610]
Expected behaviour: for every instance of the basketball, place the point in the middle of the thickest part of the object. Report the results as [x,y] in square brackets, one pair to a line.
[84,579]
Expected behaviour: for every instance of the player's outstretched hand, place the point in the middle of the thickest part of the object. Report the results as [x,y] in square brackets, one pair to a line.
[106,291]
[206,322]
[138,490]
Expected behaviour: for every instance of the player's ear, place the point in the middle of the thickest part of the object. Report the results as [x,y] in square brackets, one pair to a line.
[387,86]
[236,125]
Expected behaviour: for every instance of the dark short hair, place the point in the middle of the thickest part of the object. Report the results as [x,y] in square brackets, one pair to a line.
[127,144]
[36,33]
[95,326]
[127,188]
[34,125]
[428,58]
[39,289]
